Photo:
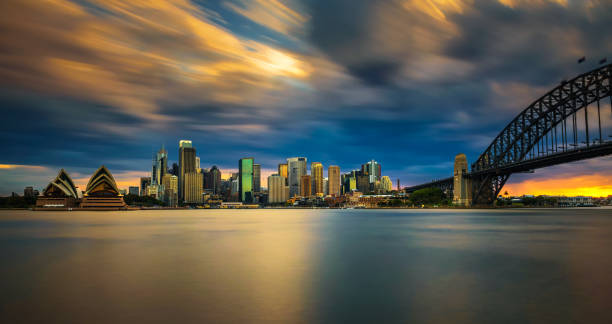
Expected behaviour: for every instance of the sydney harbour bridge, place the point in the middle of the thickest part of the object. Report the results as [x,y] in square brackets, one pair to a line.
[566,124]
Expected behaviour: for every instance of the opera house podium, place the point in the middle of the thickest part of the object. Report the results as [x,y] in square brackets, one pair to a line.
[59,193]
[102,192]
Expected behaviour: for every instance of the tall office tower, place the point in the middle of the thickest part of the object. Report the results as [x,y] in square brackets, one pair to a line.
[305,186]
[372,169]
[282,170]
[206,179]
[278,191]
[170,184]
[245,179]
[296,168]
[193,188]
[363,183]
[333,174]
[349,182]
[215,180]
[325,186]
[386,184]
[256,177]
[187,155]
[160,166]
[197,163]
[316,171]
[145,182]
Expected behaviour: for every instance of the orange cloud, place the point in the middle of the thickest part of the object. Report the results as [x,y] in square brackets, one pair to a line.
[515,3]
[22,166]
[596,185]
[134,55]
[272,14]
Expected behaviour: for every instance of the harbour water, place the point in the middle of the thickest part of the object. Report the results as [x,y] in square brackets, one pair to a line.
[307,266]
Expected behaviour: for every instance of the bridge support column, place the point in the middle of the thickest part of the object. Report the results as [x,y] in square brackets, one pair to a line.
[462,187]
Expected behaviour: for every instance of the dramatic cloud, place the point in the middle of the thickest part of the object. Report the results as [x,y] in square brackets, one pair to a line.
[410,83]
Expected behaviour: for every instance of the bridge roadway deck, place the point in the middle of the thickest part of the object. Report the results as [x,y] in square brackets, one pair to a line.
[581,153]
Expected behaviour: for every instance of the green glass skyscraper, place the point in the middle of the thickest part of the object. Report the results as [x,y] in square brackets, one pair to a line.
[245,179]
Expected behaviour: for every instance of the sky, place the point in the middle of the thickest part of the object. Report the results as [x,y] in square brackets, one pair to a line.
[409,83]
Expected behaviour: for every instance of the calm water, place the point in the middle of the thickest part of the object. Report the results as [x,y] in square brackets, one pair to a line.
[307,266]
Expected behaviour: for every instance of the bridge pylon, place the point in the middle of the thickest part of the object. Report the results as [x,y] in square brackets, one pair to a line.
[462,187]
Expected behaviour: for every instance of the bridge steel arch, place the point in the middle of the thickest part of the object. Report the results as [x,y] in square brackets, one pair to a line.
[533,125]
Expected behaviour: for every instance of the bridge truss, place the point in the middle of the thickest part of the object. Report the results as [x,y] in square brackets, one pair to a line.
[559,127]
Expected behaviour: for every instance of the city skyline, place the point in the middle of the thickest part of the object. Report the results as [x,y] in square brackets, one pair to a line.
[408,83]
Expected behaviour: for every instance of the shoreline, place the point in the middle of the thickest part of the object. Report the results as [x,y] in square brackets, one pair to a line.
[263,208]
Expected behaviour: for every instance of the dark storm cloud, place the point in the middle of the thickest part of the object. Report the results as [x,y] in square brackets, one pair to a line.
[534,44]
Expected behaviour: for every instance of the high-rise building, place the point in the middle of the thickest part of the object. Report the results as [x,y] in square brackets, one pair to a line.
[305,186]
[193,187]
[278,191]
[160,166]
[363,183]
[256,177]
[282,170]
[333,174]
[145,182]
[133,190]
[371,169]
[386,184]
[245,179]
[197,163]
[349,181]
[170,184]
[325,186]
[187,155]
[316,171]
[296,168]
[212,180]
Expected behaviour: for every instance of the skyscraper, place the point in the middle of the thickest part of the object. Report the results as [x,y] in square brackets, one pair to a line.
[245,180]
[305,186]
[144,185]
[197,163]
[333,176]
[187,155]
[278,192]
[373,170]
[316,170]
[213,180]
[160,166]
[349,182]
[325,186]
[296,168]
[256,177]
[193,187]
[386,184]
[282,170]
[170,184]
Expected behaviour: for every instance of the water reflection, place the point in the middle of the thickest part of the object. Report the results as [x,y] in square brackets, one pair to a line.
[305,266]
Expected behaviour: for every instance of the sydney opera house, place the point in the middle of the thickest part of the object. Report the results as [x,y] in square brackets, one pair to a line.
[101,193]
